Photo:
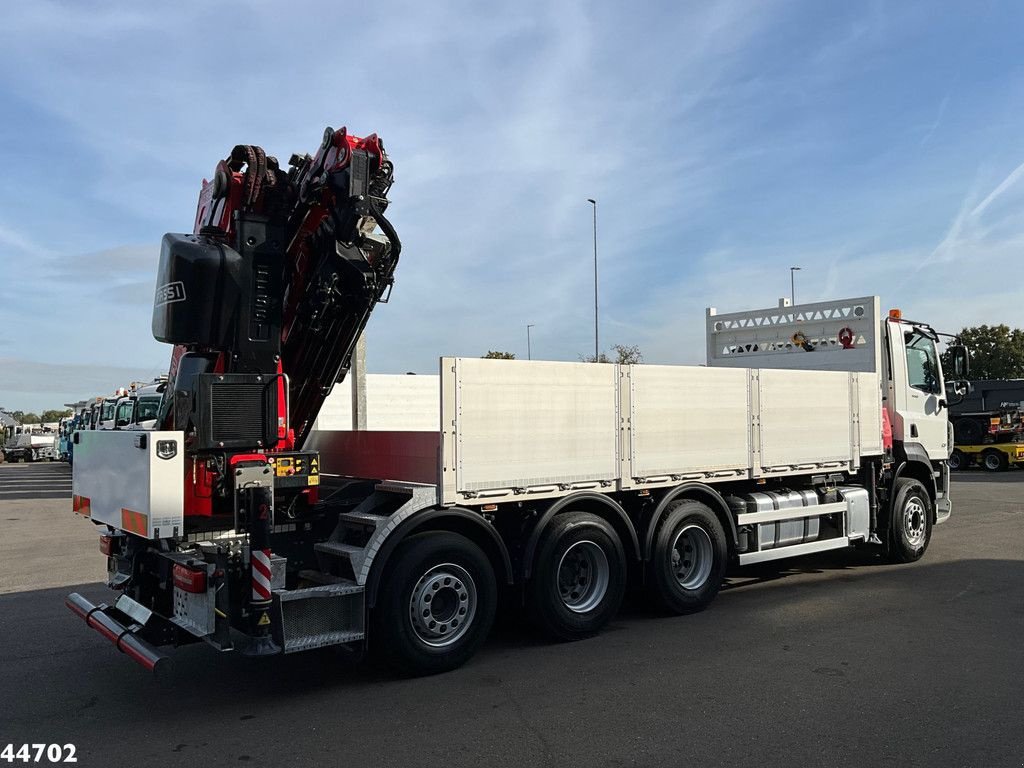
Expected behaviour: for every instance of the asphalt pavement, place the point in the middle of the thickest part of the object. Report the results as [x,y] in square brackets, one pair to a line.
[35,480]
[836,659]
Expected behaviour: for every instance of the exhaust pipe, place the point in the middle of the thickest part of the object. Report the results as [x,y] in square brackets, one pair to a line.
[122,637]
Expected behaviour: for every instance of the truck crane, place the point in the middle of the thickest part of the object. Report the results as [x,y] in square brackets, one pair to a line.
[552,484]
[263,302]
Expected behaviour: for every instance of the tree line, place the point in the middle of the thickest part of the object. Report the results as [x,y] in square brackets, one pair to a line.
[623,354]
[996,351]
[46,417]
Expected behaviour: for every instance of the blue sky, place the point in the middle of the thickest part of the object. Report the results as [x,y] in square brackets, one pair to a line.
[877,145]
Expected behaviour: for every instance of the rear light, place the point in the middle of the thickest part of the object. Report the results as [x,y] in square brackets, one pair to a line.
[189,580]
[110,545]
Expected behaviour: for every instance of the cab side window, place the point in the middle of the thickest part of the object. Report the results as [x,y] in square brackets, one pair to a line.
[922,363]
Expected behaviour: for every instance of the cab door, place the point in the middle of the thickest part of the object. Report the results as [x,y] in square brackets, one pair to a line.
[917,391]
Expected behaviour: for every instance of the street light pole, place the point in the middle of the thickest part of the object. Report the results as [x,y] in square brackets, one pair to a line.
[529,356]
[597,346]
[792,285]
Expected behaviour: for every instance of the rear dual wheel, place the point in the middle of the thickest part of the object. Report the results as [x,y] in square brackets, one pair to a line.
[994,461]
[579,576]
[688,559]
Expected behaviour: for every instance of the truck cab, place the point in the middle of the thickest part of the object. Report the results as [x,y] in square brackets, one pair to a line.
[916,390]
[105,412]
[147,405]
[139,408]
[915,398]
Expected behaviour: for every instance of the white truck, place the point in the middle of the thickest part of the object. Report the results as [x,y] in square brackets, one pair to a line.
[811,428]
[31,444]
[138,407]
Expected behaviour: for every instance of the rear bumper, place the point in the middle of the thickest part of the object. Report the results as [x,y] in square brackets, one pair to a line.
[100,618]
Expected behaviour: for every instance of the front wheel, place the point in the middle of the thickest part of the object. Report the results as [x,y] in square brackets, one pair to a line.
[579,576]
[436,606]
[910,521]
[689,558]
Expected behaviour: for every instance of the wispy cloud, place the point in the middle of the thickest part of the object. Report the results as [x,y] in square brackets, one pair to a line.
[20,378]
[723,141]
[937,122]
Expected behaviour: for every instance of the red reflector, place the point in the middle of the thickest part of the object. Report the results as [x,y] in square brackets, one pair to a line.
[108,545]
[189,580]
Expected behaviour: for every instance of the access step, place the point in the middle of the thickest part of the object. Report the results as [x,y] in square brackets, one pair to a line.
[316,617]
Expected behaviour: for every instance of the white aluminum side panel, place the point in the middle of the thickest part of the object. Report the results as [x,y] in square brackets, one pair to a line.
[520,423]
[688,419]
[128,487]
[805,418]
[394,402]
[763,338]
[403,403]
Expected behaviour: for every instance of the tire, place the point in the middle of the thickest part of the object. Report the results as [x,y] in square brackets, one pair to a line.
[436,604]
[956,460]
[689,558]
[994,461]
[910,521]
[578,578]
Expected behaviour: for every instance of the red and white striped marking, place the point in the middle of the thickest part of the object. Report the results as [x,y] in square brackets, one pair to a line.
[261,574]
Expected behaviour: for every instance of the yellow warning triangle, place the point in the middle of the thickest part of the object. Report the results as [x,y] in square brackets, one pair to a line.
[264,620]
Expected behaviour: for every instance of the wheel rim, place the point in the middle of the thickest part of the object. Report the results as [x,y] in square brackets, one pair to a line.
[692,557]
[914,521]
[954,460]
[443,605]
[583,576]
[991,461]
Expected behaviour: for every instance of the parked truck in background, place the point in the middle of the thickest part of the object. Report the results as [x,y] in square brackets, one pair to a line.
[988,426]
[139,406]
[106,412]
[993,440]
[553,484]
[31,443]
[991,395]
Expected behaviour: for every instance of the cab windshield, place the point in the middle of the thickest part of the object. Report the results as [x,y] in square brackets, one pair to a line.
[148,406]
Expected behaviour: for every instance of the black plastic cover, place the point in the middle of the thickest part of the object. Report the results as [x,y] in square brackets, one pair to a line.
[198,291]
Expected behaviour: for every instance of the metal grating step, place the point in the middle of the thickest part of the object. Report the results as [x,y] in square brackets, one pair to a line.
[320,616]
[338,549]
[337,589]
[363,518]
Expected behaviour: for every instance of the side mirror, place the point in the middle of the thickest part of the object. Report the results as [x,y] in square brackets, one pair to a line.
[961,361]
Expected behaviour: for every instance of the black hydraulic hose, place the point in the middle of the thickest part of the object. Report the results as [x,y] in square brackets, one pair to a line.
[389,231]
